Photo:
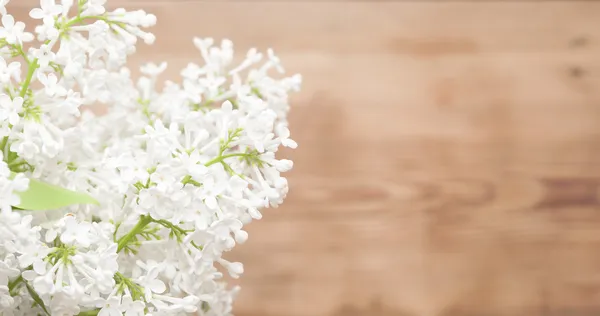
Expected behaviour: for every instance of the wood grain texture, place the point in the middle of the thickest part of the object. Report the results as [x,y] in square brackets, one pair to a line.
[449,159]
[176,2]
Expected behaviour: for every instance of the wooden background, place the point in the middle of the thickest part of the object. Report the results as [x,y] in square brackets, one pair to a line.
[449,158]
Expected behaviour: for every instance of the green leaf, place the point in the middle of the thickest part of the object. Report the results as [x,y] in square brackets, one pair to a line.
[36,298]
[42,196]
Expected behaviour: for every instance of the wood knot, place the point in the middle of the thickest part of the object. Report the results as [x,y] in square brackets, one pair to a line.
[579,41]
[576,72]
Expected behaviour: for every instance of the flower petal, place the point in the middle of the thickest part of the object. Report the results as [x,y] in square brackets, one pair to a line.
[36,13]
[8,21]
[157,286]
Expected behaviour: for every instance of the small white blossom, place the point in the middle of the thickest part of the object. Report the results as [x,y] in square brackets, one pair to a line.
[51,85]
[14,33]
[44,55]
[10,109]
[9,71]
[47,30]
[10,186]
[49,8]
[95,7]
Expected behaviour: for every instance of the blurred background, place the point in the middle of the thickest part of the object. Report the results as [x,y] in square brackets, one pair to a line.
[449,158]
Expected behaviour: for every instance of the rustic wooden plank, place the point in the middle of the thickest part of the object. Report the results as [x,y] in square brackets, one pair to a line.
[163,2]
[440,148]
[449,159]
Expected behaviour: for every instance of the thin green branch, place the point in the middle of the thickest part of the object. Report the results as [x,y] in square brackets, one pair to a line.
[36,298]
[137,229]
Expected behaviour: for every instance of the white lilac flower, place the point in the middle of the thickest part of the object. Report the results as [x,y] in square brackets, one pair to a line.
[95,7]
[48,8]
[47,30]
[81,263]
[8,271]
[44,55]
[178,168]
[10,109]
[9,188]
[14,33]
[9,71]
[51,85]
[235,269]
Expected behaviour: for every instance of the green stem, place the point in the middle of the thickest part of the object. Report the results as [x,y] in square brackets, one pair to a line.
[176,231]
[13,284]
[80,19]
[122,282]
[32,67]
[221,158]
[93,312]
[3,145]
[187,179]
[15,163]
[20,51]
[79,7]
[36,298]
[138,228]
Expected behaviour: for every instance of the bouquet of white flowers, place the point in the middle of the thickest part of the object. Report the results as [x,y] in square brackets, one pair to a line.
[129,212]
